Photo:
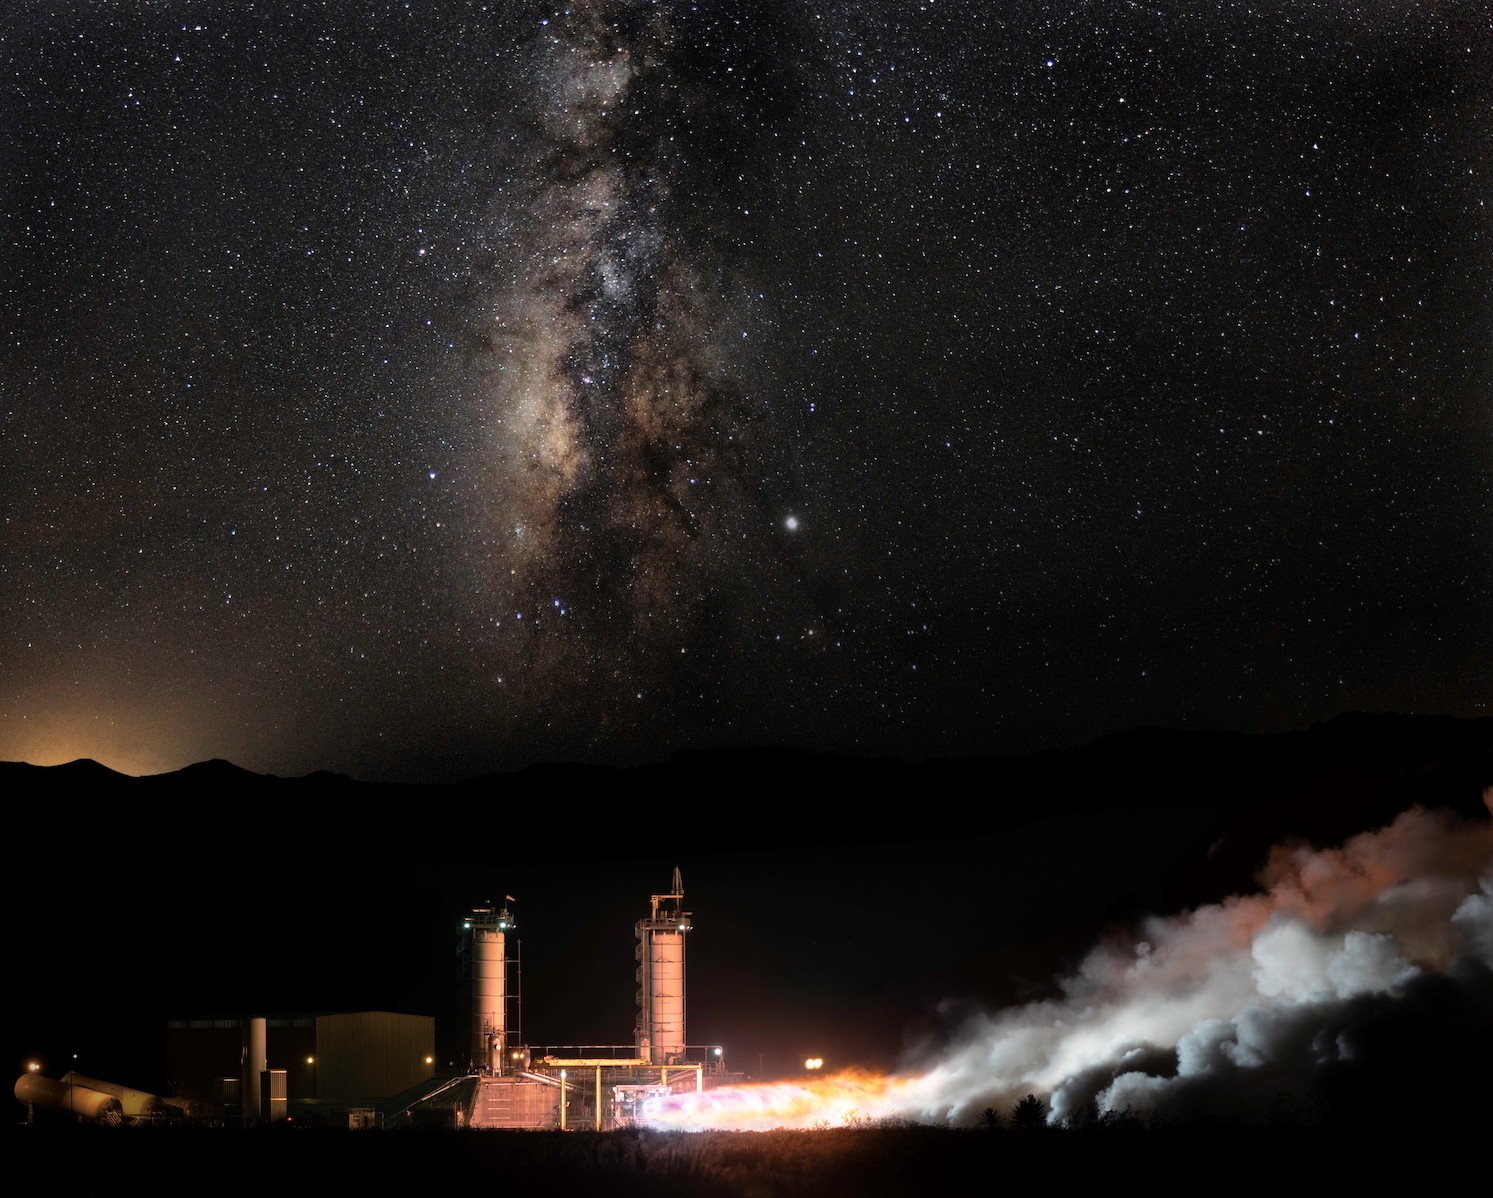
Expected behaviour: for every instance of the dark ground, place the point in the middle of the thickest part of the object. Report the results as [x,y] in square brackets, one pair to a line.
[86,1161]
[214,891]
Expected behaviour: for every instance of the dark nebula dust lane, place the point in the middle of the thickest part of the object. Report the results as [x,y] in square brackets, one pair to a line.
[630,520]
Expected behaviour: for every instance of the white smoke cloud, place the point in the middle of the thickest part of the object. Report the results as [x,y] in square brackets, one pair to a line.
[1356,975]
[1475,919]
[1246,992]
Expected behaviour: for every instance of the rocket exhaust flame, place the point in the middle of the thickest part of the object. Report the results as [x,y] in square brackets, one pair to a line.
[848,1097]
[1353,977]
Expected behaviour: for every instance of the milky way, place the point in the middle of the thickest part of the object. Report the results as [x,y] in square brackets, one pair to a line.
[630,522]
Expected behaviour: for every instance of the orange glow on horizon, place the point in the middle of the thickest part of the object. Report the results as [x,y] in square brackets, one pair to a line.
[63,740]
[140,731]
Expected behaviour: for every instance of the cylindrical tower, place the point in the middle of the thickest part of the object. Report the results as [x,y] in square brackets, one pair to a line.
[256,1061]
[488,929]
[659,1031]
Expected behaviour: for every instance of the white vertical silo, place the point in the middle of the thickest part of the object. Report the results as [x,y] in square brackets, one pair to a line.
[659,1031]
[255,1062]
[488,929]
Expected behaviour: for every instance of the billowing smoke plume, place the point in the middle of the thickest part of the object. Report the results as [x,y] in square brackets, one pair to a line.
[624,400]
[1357,984]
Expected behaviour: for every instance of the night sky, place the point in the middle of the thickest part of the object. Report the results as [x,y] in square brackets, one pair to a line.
[417,390]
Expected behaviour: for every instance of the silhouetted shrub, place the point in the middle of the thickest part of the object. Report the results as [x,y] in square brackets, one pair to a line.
[1029,1114]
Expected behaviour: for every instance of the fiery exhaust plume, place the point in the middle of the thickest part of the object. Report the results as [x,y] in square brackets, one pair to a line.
[842,1098]
[1358,976]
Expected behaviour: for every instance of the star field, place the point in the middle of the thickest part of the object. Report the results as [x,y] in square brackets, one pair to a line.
[415,390]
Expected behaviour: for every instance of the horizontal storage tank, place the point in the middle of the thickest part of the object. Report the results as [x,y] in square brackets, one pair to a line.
[38,1091]
[135,1104]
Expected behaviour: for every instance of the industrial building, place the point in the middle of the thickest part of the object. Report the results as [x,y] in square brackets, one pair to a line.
[377,1069]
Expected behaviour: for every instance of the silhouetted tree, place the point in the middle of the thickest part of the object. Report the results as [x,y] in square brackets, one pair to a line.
[1124,1120]
[1088,1117]
[1029,1113]
[992,1119]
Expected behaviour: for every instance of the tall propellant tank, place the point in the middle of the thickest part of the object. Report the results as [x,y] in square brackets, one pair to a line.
[487,929]
[253,1066]
[659,1031]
